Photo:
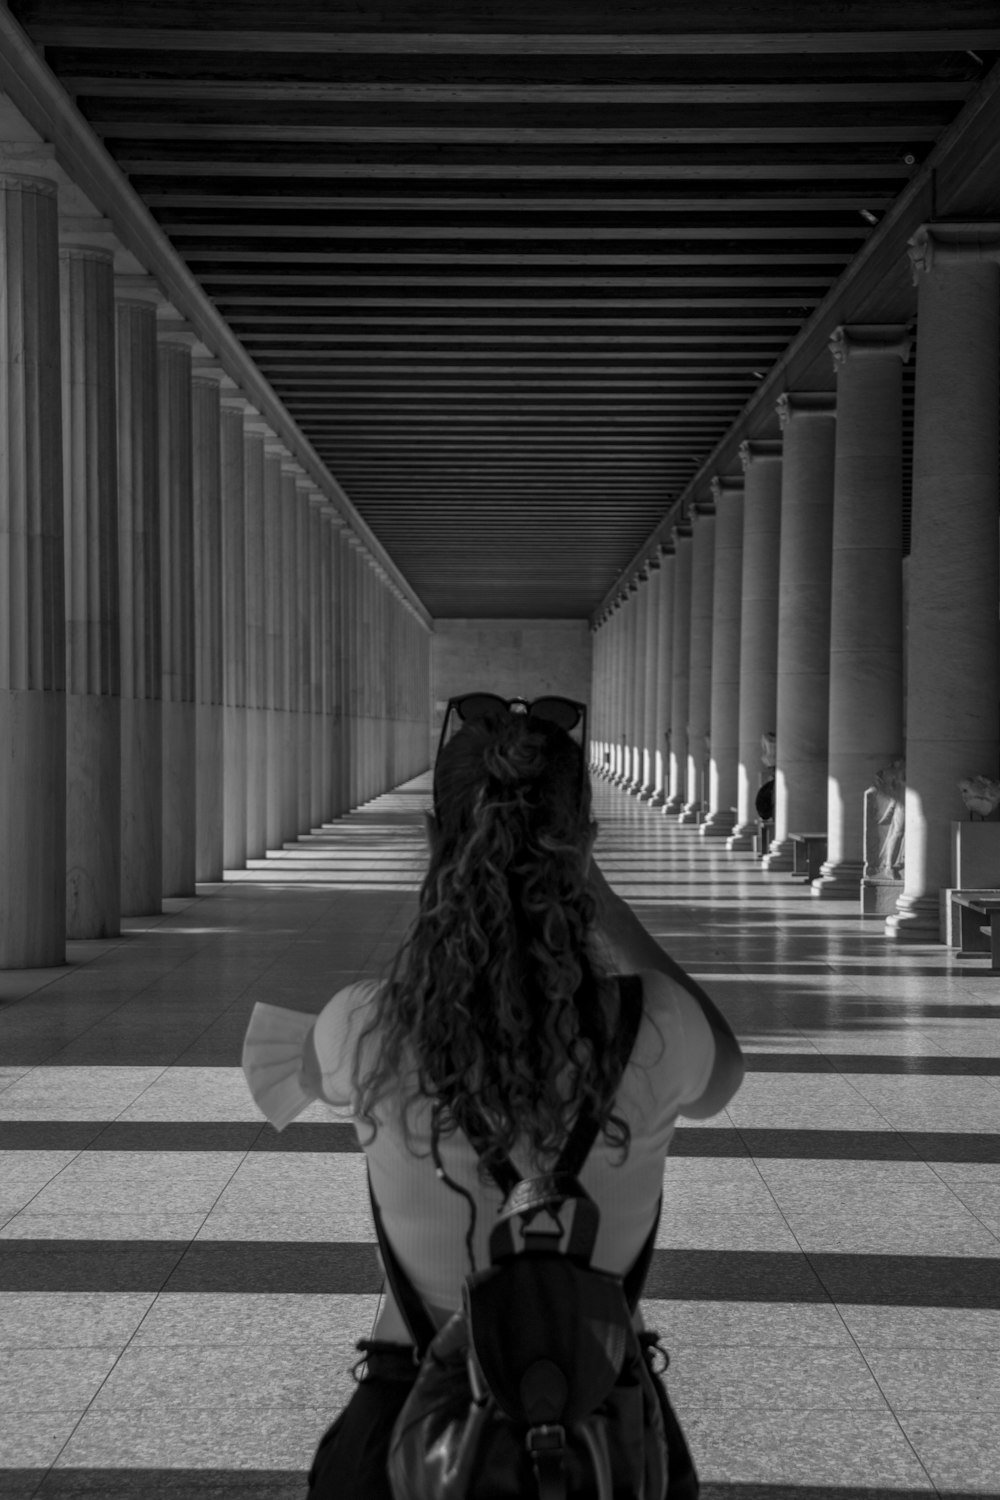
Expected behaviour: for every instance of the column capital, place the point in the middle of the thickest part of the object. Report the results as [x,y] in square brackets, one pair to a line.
[173,329]
[653,562]
[870,341]
[255,426]
[936,245]
[681,532]
[34,172]
[135,288]
[233,399]
[726,485]
[760,450]
[703,509]
[792,404]
[80,233]
[666,546]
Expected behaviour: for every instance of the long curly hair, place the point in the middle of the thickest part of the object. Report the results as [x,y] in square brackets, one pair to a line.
[493,1009]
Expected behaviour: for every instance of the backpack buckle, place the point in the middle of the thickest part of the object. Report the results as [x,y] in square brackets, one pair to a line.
[548,1440]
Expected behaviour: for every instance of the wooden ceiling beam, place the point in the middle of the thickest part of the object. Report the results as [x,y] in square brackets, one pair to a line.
[337,39]
[300,133]
[277,199]
[859,164]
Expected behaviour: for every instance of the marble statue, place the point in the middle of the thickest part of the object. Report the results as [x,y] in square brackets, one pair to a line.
[885,815]
[769,750]
[980,795]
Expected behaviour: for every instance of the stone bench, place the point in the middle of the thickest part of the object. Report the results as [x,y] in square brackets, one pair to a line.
[969,934]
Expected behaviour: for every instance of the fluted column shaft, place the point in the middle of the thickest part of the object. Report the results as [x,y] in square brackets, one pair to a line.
[303,657]
[651,659]
[681,671]
[758,624]
[700,685]
[318,807]
[664,674]
[617,655]
[952,719]
[275,627]
[32,586]
[93,678]
[338,626]
[291,644]
[234,632]
[724,733]
[327,666]
[866,615]
[140,606]
[209,708]
[254,435]
[637,680]
[803,703]
[177,600]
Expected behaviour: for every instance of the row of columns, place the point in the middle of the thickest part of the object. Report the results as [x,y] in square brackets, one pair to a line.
[776,604]
[198,659]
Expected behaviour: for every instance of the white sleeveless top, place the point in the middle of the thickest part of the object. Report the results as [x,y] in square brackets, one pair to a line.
[425,1220]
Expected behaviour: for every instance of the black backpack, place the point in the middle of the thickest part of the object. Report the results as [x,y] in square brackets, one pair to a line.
[540,1386]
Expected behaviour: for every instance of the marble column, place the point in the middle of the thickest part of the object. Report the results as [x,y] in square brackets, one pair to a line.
[235,634]
[291,641]
[303,664]
[651,658]
[208,615]
[724,731]
[615,657]
[140,611]
[338,628]
[32,584]
[175,341]
[758,625]
[637,681]
[90,498]
[351,667]
[953,688]
[664,673]
[700,685]
[327,665]
[866,612]
[255,433]
[318,811]
[803,704]
[274,596]
[681,670]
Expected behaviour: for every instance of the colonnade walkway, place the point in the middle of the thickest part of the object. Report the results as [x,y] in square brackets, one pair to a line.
[181,1289]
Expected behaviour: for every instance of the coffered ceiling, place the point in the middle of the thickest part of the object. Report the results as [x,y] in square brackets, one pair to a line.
[515,270]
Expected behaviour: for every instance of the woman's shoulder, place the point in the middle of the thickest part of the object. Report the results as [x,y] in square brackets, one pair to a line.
[677,1044]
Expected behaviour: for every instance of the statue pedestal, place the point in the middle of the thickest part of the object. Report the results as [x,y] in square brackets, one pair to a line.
[878,895]
[975,856]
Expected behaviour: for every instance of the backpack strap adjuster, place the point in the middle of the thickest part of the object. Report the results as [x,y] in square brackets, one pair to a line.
[547,1446]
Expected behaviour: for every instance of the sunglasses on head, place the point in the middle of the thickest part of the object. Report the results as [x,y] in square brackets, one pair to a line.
[467,709]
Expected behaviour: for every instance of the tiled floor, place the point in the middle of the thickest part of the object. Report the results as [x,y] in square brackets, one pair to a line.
[180,1288]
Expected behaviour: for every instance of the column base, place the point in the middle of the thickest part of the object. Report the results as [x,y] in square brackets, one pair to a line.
[780,856]
[880,896]
[741,840]
[917,919]
[718,825]
[658,798]
[672,806]
[692,812]
[840,881]
[645,793]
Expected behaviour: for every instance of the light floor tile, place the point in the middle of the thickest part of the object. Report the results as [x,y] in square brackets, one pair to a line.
[279,1437]
[32,1225]
[202,1376]
[955,1380]
[915,1328]
[815,1448]
[962,1456]
[32,1440]
[121,1182]
[69,1319]
[350,1223]
[25,1173]
[739,1325]
[90,1093]
[696,1229]
[768,1379]
[983,1199]
[304,1320]
[278,1184]
[34,1379]
[852,1230]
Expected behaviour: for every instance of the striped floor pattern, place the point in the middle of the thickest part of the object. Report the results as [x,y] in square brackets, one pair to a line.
[181,1288]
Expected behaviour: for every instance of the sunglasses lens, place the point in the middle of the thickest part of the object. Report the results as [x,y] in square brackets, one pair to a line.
[557,711]
[479,706]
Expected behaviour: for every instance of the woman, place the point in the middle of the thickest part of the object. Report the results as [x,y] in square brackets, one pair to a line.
[498,1011]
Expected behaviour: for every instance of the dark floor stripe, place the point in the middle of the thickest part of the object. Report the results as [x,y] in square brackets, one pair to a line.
[866,1062]
[293,1266]
[689,1140]
[284,1484]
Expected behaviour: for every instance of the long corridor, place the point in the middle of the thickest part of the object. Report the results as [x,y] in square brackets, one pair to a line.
[181,1288]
